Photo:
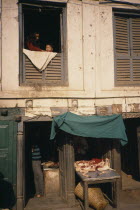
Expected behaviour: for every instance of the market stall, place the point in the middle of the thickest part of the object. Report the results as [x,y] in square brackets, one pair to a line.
[104,128]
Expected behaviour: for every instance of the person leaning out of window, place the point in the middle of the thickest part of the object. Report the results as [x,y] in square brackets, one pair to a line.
[33,42]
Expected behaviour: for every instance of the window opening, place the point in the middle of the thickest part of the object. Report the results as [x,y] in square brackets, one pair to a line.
[45,22]
[42,29]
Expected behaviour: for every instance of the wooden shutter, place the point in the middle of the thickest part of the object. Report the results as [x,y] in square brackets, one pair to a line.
[122,50]
[135,22]
[31,72]
[136,35]
[136,71]
[51,75]
[127,49]
[53,70]
[122,42]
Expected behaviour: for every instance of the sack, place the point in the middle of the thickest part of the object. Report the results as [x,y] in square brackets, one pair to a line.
[95,196]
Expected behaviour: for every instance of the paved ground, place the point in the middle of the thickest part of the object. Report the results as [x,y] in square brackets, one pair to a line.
[49,203]
[129,200]
[129,183]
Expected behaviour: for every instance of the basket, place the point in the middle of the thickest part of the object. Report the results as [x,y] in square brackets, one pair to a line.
[95,196]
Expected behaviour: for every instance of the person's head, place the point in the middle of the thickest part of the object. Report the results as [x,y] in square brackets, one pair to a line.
[36,35]
[34,146]
[33,36]
[49,48]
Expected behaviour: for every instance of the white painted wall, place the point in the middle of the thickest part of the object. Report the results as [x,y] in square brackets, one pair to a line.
[10,58]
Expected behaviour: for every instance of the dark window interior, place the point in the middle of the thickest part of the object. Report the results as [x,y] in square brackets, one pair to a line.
[45,21]
[96,148]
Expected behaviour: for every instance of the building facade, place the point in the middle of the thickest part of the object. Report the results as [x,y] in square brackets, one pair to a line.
[96,72]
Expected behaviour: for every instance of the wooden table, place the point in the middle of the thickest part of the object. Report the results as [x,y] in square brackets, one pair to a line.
[99,177]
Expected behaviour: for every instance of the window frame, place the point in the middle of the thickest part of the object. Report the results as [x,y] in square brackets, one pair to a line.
[63,29]
[129,14]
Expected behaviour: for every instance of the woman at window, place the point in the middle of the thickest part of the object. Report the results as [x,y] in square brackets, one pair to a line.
[33,42]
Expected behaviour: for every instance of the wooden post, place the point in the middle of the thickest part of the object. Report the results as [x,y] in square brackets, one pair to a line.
[116,164]
[1,44]
[70,173]
[85,189]
[67,173]
[116,156]
[62,170]
[20,205]
[138,141]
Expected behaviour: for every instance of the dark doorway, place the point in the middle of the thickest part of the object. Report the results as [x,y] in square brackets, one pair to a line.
[129,152]
[130,160]
[46,148]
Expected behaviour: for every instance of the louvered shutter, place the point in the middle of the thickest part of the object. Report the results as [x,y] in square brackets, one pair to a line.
[53,70]
[127,49]
[135,25]
[51,75]
[31,72]
[122,50]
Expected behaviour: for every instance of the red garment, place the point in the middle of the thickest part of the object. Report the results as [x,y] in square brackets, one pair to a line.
[32,47]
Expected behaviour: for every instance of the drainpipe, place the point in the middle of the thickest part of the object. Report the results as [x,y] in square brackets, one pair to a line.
[20,204]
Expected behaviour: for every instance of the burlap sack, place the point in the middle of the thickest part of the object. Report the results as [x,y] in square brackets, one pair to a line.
[95,196]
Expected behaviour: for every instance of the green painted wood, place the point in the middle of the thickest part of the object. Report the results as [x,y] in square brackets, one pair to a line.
[8,132]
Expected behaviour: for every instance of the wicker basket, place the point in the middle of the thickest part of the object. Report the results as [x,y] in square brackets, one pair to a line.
[95,196]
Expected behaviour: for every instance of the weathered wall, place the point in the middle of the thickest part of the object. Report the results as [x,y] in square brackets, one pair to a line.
[90,63]
[10,67]
[105,55]
[51,107]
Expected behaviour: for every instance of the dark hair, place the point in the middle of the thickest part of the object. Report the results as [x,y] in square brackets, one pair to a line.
[31,36]
[50,44]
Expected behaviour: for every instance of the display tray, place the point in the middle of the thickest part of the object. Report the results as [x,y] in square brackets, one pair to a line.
[97,175]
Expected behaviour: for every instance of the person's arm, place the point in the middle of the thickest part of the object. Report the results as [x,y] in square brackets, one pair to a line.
[32,47]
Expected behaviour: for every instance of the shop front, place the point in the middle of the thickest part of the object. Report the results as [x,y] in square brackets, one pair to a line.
[89,139]
[68,133]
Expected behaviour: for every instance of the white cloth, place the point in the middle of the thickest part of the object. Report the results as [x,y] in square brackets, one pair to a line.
[39,59]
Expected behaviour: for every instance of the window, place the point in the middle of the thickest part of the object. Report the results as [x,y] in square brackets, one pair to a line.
[127,48]
[48,20]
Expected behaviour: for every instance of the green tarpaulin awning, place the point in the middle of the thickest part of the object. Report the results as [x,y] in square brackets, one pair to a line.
[90,126]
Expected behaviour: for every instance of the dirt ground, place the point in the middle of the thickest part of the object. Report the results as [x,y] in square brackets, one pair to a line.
[130,200]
